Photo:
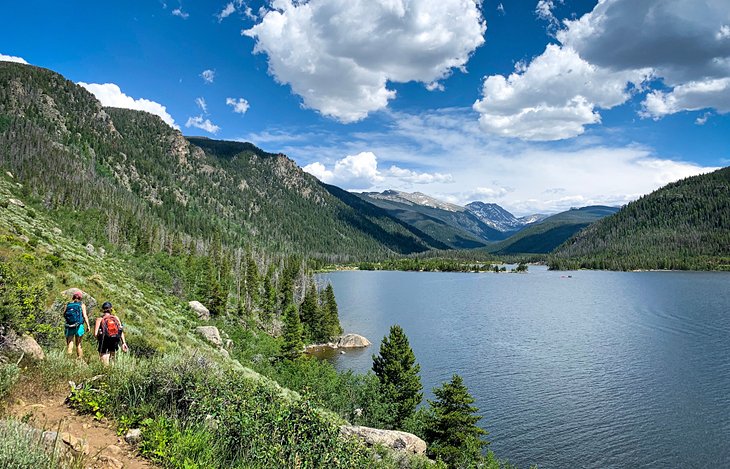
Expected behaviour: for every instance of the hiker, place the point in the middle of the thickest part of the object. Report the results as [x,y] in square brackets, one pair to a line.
[109,332]
[76,318]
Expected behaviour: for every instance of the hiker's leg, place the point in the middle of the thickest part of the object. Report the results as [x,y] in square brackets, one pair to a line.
[69,344]
[113,355]
[79,351]
[105,358]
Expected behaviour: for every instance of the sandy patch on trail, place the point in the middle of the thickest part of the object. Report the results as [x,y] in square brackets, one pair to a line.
[52,414]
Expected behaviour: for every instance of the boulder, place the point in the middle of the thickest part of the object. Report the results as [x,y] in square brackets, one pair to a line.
[202,312]
[102,252]
[89,300]
[393,439]
[10,175]
[57,231]
[211,334]
[78,445]
[17,202]
[352,341]
[21,345]
[108,462]
[90,249]
[133,436]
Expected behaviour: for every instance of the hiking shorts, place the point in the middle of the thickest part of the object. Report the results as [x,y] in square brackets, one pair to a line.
[75,331]
[108,344]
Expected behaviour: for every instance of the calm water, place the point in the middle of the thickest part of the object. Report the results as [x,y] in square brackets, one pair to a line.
[601,370]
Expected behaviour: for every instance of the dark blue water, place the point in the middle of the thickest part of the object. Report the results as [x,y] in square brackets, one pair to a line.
[601,370]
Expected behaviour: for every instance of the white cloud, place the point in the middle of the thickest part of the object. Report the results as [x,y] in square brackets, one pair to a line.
[208,75]
[180,13]
[692,96]
[361,172]
[202,104]
[203,124]
[500,9]
[702,120]
[239,105]
[339,55]
[12,58]
[521,176]
[414,177]
[540,101]
[680,44]
[109,94]
[227,11]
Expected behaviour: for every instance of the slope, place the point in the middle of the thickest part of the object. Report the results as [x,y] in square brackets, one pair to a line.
[683,225]
[545,236]
[139,184]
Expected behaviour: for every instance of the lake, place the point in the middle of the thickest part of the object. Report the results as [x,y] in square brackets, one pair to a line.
[595,370]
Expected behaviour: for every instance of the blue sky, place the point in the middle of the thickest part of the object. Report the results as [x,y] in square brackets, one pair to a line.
[535,105]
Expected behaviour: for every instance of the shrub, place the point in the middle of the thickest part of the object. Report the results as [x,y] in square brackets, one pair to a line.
[9,373]
[21,447]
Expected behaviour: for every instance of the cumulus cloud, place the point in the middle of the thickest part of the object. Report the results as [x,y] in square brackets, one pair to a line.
[683,46]
[208,75]
[200,102]
[500,9]
[12,58]
[691,96]
[539,101]
[522,177]
[203,124]
[361,172]
[239,105]
[339,55]
[109,94]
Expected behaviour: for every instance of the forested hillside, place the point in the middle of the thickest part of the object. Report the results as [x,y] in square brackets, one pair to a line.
[139,184]
[543,237]
[684,225]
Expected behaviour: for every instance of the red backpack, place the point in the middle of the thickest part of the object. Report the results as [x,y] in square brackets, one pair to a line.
[111,327]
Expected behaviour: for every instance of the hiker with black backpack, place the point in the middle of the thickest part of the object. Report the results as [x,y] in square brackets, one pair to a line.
[109,333]
[76,318]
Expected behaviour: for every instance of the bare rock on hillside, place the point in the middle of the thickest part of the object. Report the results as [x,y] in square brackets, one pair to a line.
[352,341]
[211,334]
[88,300]
[90,249]
[17,202]
[24,345]
[202,312]
[398,441]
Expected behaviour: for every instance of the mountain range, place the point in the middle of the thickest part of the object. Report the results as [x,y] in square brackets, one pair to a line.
[125,179]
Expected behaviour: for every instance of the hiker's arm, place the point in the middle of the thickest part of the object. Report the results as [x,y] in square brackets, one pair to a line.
[86,317]
[124,343]
[96,327]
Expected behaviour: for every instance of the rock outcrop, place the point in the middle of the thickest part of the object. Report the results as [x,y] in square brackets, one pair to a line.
[393,439]
[352,341]
[211,334]
[202,312]
[24,345]
[88,300]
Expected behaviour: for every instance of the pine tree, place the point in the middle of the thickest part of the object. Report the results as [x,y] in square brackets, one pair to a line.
[451,433]
[311,315]
[292,347]
[252,280]
[330,313]
[397,372]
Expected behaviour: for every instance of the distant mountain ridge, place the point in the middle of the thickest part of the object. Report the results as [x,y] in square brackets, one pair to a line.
[499,218]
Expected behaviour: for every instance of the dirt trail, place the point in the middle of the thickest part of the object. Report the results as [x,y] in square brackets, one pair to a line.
[105,449]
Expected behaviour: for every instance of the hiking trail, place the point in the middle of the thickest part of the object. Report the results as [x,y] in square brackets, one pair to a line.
[106,450]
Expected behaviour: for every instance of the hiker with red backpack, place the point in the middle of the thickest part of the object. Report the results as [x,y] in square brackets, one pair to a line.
[109,333]
[76,318]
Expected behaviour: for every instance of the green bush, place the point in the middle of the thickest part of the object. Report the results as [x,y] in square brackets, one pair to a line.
[21,448]
[9,373]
